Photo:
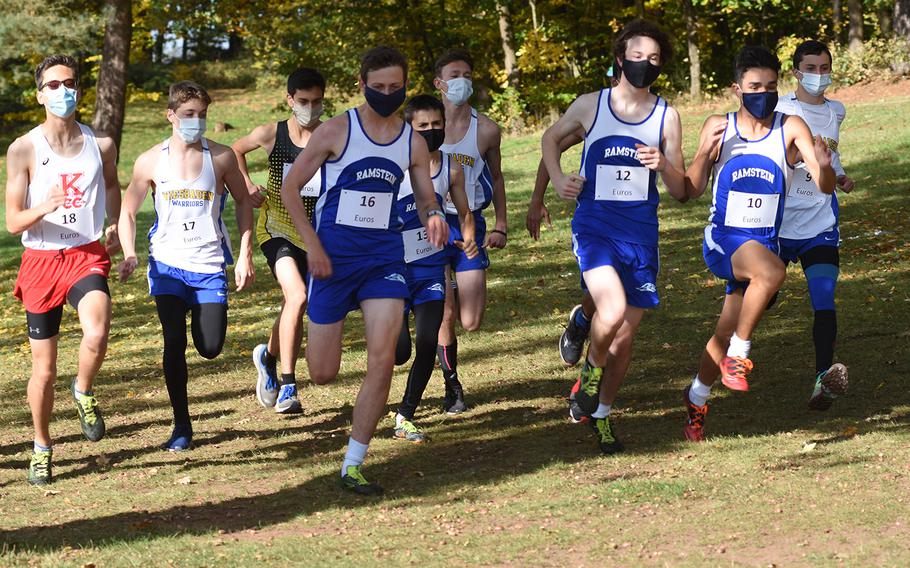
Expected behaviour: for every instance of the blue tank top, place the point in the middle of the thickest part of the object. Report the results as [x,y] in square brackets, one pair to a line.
[356,215]
[417,249]
[619,197]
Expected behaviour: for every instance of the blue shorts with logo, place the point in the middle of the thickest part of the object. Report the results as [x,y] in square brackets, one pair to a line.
[718,248]
[636,264]
[792,249]
[457,258]
[352,282]
[192,287]
[426,284]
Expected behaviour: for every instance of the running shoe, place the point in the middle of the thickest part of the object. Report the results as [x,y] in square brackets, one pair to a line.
[695,421]
[588,395]
[410,432]
[353,480]
[606,439]
[733,373]
[453,402]
[287,400]
[89,414]
[267,380]
[39,468]
[829,385]
[576,414]
[181,439]
[572,342]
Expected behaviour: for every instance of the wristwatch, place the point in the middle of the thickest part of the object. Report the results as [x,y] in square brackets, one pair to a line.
[432,212]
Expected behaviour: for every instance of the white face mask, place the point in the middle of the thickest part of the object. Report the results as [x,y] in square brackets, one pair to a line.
[459,90]
[815,84]
[191,129]
[306,115]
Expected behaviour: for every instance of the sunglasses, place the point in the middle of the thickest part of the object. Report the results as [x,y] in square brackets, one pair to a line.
[54,85]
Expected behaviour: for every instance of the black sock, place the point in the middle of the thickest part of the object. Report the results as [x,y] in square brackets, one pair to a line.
[270,360]
[288,379]
[448,361]
[824,333]
[428,317]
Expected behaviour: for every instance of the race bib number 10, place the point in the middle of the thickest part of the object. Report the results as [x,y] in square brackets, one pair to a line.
[751,210]
[364,209]
[621,183]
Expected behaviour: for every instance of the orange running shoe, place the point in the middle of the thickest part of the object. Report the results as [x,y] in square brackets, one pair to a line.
[733,371]
[695,423]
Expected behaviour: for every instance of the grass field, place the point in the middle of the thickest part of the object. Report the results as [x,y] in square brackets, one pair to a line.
[511,482]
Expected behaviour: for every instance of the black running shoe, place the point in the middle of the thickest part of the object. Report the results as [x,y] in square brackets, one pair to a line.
[353,481]
[829,385]
[588,395]
[572,342]
[453,403]
[89,414]
[576,414]
[606,439]
[39,468]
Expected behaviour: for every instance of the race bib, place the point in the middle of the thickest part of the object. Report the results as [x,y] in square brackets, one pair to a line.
[416,245]
[75,219]
[621,183]
[751,210]
[803,187]
[365,209]
[311,188]
[188,233]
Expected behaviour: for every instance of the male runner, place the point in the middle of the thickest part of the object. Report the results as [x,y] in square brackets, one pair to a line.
[426,274]
[751,153]
[631,136]
[355,256]
[473,140]
[809,231]
[189,245]
[61,180]
[283,141]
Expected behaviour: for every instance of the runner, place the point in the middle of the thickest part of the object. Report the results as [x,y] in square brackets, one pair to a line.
[278,240]
[809,232]
[631,136]
[473,141]
[426,264]
[750,153]
[61,180]
[189,245]
[355,255]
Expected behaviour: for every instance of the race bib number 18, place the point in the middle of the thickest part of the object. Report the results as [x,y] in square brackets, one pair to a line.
[364,209]
[621,183]
[751,210]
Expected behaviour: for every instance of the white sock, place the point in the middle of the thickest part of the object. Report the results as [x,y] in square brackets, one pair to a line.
[603,410]
[398,420]
[699,392]
[738,347]
[39,448]
[355,455]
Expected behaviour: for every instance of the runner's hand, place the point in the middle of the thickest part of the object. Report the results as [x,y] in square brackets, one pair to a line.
[127,267]
[257,195]
[536,213]
[822,152]
[112,239]
[243,272]
[318,264]
[495,240]
[845,183]
[568,186]
[710,144]
[651,157]
[55,198]
[469,247]
[437,231]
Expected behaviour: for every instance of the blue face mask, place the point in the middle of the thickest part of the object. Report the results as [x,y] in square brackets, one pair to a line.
[760,105]
[61,101]
[384,104]
[191,129]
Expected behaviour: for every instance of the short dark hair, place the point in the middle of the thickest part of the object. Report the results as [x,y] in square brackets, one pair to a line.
[640,27]
[754,57]
[305,78]
[452,56]
[381,57]
[52,61]
[423,102]
[810,47]
[184,91]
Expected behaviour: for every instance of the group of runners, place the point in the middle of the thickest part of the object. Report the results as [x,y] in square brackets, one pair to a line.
[373,212]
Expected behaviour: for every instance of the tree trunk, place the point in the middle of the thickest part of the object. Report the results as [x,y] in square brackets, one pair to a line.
[901,20]
[505,34]
[640,8]
[110,98]
[884,20]
[533,4]
[835,16]
[694,56]
[855,31]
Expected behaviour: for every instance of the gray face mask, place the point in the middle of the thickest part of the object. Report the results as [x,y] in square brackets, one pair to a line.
[306,115]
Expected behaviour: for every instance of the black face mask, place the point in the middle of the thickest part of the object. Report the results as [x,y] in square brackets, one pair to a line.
[434,137]
[384,104]
[640,74]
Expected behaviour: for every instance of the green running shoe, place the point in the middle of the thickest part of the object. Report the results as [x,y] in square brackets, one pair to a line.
[39,469]
[353,480]
[410,432]
[588,395]
[603,431]
[829,385]
[89,414]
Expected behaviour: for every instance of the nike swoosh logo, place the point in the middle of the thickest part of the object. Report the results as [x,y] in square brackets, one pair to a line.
[46,160]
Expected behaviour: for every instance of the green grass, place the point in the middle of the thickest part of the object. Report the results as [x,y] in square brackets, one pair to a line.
[512,482]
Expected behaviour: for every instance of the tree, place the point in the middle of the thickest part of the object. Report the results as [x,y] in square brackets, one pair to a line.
[901,20]
[505,33]
[110,98]
[694,56]
[855,29]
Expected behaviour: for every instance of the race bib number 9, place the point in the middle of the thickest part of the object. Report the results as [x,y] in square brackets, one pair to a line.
[751,210]
[416,245]
[188,233]
[803,187]
[364,209]
[621,183]
[311,188]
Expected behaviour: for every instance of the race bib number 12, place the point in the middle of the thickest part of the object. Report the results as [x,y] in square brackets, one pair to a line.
[621,183]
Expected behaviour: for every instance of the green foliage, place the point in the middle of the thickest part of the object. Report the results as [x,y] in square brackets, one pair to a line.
[879,58]
[508,109]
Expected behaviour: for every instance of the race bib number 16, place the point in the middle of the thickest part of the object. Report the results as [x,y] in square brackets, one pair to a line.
[364,209]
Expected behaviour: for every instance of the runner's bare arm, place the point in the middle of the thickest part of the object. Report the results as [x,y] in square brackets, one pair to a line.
[537,211]
[112,193]
[712,133]
[669,162]
[814,152]
[136,191]
[233,180]
[261,137]
[491,132]
[424,194]
[18,219]
[578,117]
[465,216]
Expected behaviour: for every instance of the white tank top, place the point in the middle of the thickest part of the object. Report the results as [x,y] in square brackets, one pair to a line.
[478,182]
[188,232]
[80,220]
[807,211]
